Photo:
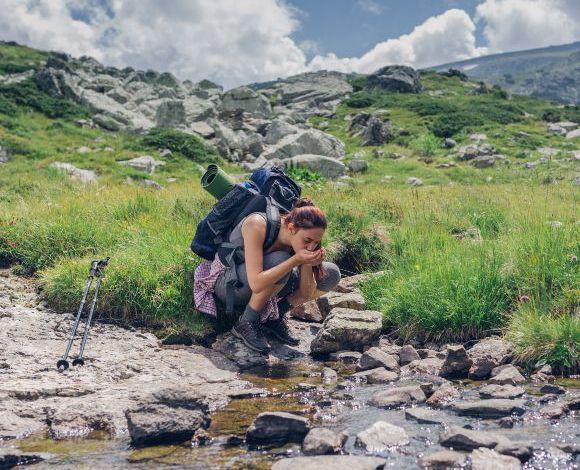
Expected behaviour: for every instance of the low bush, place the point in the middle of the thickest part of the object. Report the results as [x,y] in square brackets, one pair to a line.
[190,146]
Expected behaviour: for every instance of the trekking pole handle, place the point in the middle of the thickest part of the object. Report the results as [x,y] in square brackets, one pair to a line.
[97,267]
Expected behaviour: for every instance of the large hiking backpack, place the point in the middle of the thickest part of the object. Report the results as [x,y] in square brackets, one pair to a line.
[269,190]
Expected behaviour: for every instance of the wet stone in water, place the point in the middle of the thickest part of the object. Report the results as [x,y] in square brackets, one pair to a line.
[380,436]
[443,459]
[320,441]
[277,428]
[501,391]
[492,408]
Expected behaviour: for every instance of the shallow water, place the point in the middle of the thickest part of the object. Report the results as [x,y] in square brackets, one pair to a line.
[329,406]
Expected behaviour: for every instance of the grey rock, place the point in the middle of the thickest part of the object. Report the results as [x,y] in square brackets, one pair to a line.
[408,354]
[380,436]
[203,129]
[345,329]
[554,411]
[144,163]
[358,166]
[321,441]
[168,416]
[4,155]
[335,462]
[501,391]
[375,357]
[399,396]
[351,300]
[308,311]
[78,174]
[470,152]
[151,184]
[329,375]
[379,375]
[444,459]
[414,181]
[277,427]
[487,459]
[460,438]
[449,143]
[307,142]
[444,396]
[348,357]
[247,100]
[371,129]
[552,388]
[327,166]
[573,134]
[478,137]
[485,161]
[277,130]
[506,375]
[395,78]
[456,363]
[487,354]
[429,365]
[425,416]
[12,458]
[520,450]
[490,408]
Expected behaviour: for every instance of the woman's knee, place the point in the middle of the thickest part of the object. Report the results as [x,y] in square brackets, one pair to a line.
[274,259]
[331,277]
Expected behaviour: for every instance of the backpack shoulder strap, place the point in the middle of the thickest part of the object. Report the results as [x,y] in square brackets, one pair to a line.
[272,223]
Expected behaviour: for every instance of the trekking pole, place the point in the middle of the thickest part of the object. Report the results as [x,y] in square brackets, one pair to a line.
[63,364]
[99,272]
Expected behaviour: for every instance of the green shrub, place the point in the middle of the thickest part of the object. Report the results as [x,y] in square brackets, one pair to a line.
[358,83]
[447,125]
[362,100]
[427,145]
[302,174]
[431,107]
[26,94]
[190,146]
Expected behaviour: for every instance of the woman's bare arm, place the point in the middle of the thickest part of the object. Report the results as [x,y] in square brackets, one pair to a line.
[254,234]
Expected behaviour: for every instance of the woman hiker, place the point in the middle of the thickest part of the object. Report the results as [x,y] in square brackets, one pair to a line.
[292,271]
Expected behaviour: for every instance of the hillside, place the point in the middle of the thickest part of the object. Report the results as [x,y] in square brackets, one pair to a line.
[550,72]
[435,180]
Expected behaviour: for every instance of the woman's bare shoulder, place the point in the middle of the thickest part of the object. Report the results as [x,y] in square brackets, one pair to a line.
[254,223]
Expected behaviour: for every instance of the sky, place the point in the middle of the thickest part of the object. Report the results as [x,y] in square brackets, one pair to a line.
[235,42]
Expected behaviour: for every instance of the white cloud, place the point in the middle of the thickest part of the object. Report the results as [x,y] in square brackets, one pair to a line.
[235,42]
[525,24]
[370,6]
[444,38]
[228,41]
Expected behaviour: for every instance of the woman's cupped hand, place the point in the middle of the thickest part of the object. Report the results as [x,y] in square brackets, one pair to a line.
[312,258]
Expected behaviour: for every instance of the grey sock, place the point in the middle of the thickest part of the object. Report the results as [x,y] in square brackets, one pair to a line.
[250,315]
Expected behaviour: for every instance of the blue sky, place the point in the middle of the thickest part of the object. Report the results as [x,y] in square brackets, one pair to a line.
[350,27]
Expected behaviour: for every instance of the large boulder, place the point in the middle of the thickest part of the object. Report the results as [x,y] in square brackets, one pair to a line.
[470,152]
[395,78]
[168,415]
[380,436]
[334,462]
[308,142]
[353,300]
[277,130]
[487,354]
[373,130]
[347,329]
[277,428]
[247,100]
[78,174]
[326,166]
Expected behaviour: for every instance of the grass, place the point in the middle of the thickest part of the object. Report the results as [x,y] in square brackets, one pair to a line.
[516,276]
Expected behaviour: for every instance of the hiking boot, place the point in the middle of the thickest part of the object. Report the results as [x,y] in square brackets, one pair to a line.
[251,335]
[281,330]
